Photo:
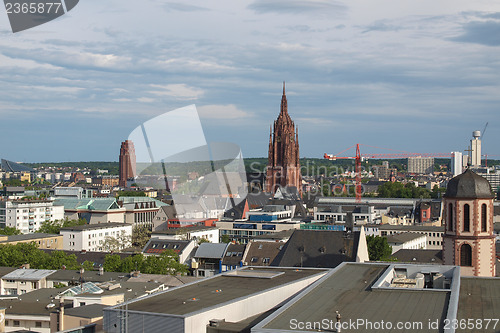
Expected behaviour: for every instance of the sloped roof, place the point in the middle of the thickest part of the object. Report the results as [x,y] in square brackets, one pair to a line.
[9,166]
[158,246]
[28,274]
[257,251]
[318,248]
[211,250]
[234,254]
[102,204]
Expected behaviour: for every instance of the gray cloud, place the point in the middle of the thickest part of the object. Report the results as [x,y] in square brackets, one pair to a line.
[182,7]
[481,32]
[320,7]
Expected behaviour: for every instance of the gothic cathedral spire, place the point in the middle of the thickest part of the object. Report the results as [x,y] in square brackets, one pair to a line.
[283,161]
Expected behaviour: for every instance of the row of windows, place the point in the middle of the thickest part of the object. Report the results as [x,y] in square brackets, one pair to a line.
[466,217]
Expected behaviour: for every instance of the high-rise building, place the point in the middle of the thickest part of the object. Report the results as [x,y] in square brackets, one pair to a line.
[283,167]
[475,149]
[127,162]
[456,163]
[468,240]
[420,164]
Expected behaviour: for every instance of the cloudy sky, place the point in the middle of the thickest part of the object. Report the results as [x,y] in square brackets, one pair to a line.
[407,75]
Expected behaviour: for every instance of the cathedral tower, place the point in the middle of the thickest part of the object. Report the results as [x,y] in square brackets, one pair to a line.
[468,239]
[283,168]
[126,162]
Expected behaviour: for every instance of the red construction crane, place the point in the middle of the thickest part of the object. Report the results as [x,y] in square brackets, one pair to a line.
[360,157]
[357,159]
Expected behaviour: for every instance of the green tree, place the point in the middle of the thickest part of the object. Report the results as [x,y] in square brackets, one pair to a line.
[131,194]
[166,263]
[378,248]
[140,236]
[118,243]
[88,265]
[225,239]
[203,240]
[112,263]
[132,263]
[8,231]
[54,227]
[59,259]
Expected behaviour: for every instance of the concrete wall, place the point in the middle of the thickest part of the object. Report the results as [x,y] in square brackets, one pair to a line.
[244,308]
[115,322]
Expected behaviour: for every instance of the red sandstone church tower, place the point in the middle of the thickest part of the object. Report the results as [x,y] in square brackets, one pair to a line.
[283,166]
[127,162]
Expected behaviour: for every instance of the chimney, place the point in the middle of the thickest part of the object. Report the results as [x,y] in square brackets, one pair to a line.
[61,316]
[338,325]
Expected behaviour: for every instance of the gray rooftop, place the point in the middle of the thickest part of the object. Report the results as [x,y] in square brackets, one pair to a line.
[348,290]
[416,228]
[86,311]
[403,237]
[95,226]
[183,230]
[28,274]
[469,185]
[19,238]
[479,299]
[231,287]
[211,250]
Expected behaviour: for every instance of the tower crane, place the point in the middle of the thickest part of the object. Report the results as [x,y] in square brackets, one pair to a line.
[360,157]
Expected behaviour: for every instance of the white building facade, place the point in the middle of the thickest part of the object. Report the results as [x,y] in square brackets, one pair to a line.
[27,216]
[92,237]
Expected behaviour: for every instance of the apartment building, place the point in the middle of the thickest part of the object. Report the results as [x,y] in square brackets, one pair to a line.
[92,237]
[28,215]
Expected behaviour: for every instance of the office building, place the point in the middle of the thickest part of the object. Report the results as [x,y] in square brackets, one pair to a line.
[420,165]
[475,147]
[456,163]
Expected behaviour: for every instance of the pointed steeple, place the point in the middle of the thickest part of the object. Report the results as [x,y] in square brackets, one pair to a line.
[284,104]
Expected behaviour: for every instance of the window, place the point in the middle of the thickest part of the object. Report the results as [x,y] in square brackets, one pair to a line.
[254,259]
[266,260]
[16,323]
[38,324]
[450,217]
[466,217]
[484,218]
[465,255]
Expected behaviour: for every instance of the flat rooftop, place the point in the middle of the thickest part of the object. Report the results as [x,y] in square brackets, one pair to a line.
[348,290]
[479,299]
[217,290]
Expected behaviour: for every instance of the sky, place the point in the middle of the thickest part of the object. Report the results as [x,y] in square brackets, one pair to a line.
[416,76]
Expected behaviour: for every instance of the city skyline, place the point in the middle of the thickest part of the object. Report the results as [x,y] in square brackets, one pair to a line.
[417,77]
